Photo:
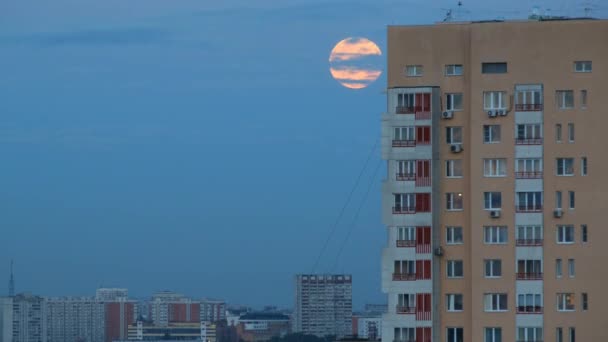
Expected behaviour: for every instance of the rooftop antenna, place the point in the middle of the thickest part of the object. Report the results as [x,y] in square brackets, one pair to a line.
[11,283]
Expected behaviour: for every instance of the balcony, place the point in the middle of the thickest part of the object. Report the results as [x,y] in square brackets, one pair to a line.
[528,242]
[404,210]
[528,174]
[406,243]
[529,309]
[405,176]
[406,340]
[404,110]
[404,276]
[404,143]
[529,275]
[529,208]
[528,107]
[528,141]
[409,310]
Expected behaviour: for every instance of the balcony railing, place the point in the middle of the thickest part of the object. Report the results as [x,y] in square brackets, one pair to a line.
[529,309]
[529,340]
[529,275]
[404,210]
[528,141]
[405,176]
[528,208]
[528,174]
[529,242]
[528,107]
[405,340]
[423,114]
[406,243]
[404,143]
[401,309]
[404,276]
[404,110]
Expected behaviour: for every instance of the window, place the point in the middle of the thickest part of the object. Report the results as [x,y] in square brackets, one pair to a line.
[405,202]
[454,235]
[565,302]
[494,167]
[583,166]
[571,132]
[559,335]
[582,66]
[529,334]
[493,100]
[491,134]
[404,133]
[406,301]
[495,235]
[453,168]
[565,166]
[565,99]
[405,267]
[405,334]
[571,268]
[494,68]
[454,101]
[495,302]
[406,233]
[453,70]
[585,301]
[493,268]
[455,269]
[529,303]
[406,169]
[565,234]
[583,99]
[571,199]
[528,100]
[455,335]
[528,134]
[414,70]
[583,232]
[453,201]
[558,200]
[493,335]
[453,135]
[558,132]
[572,334]
[454,302]
[529,269]
[405,102]
[529,235]
[529,201]
[558,268]
[528,168]
[492,200]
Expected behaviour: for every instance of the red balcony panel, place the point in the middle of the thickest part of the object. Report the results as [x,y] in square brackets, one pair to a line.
[404,276]
[423,173]
[423,306]
[423,240]
[529,141]
[423,202]
[423,135]
[404,210]
[406,310]
[529,174]
[529,309]
[405,176]
[406,243]
[528,107]
[423,269]
[404,143]
[529,242]
[529,276]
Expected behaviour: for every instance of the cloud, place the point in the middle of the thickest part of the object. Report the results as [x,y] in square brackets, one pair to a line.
[354,48]
[353,74]
[91,37]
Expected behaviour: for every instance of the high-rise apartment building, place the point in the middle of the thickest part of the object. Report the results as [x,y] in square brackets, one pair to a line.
[323,305]
[108,294]
[167,307]
[494,199]
[75,319]
[29,318]
[118,316]
[6,319]
[212,310]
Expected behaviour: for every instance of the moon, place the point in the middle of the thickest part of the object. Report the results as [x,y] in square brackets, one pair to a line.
[355,62]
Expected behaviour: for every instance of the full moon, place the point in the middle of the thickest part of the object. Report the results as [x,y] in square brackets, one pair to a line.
[355,62]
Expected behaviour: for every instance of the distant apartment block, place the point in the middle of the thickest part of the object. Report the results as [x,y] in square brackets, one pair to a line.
[212,310]
[29,318]
[323,304]
[75,319]
[494,199]
[170,307]
[111,294]
[6,319]
[118,316]
[262,326]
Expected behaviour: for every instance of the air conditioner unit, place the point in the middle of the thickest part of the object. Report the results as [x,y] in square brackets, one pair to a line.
[502,112]
[557,213]
[495,213]
[447,114]
[492,113]
[439,251]
[456,148]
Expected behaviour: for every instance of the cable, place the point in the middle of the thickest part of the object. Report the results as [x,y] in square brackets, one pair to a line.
[352,226]
[350,195]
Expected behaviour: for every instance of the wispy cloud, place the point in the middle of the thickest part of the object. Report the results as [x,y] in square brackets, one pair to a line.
[91,37]
[354,48]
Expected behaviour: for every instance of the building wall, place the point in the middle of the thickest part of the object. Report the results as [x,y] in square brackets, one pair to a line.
[118,317]
[6,319]
[257,331]
[29,318]
[73,319]
[539,54]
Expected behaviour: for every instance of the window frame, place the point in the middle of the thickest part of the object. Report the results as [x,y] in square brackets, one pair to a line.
[452,132]
[494,270]
[492,235]
[570,132]
[496,301]
[451,201]
[450,102]
[562,302]
[559,271]
[450,167]
[490,133]
[450,238]
[491,68]
[418,70]
[451,302]
[499,165]
[454,68]
[497,99]
[451,268]
[456,332]
[562,234]
[585,66]
[562,97]
[489,197]
[492,334]
[562,163]
[584,166]
[571,268]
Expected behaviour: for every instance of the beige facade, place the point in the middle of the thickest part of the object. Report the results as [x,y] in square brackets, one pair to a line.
[523,80]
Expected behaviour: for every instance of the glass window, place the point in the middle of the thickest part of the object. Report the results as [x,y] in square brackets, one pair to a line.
[455,335]
[414,70]
[583,99]
[493,335]
[495,235]
[582,66]
[565,166]
[454,302]
[495,302]
[585,301]
[558,268]
[571,199]
[454,101]
[494,167]
[492,200]
[454,235]
[565,302]
[565,234]
[494,68]
[493,100]
[493,268]
[454,201]
[565,99]
[453,70]
[558,200]
[571,268]
[454,135]
[584,232]
[491,134]
[558,132]
[455,269]
[453,168]
[571,132]
[583,166]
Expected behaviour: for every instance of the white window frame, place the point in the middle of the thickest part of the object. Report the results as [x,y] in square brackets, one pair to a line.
[491,134]
[405,334]
[406,167]
[530,131]
[404,133]
[406,100]
[451,136]
[496,167]
[531,199]
[451,268]
[571,268]
[493,235]
[584,166]
[452,199]
[529,334]
[414,70]
[583,66]
[451,165]
[563,232]
[558,133]
[558,199]
[451,233]
[528,165]
[529,299]
[405,266]
[407,300]
[529,232]
[562,97]
[451,299]
[492,302]
[570,132]
[489,198]
[494,100]
[492,268]
[562,302]
[456,332]
[492,334]
[453,69]
[407,233]
[529,97]
[530,266]
[584,98]
[450,104]
[558,268]
[407,200]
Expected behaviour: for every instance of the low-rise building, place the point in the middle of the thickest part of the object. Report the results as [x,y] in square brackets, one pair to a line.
[262,326]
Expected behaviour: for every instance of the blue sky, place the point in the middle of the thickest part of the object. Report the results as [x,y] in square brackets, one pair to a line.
[199,146]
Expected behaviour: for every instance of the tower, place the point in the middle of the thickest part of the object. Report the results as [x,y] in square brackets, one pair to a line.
[11,283]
